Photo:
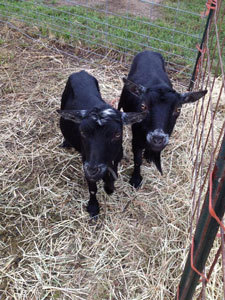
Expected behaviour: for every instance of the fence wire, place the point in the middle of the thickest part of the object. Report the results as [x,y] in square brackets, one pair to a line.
[116,30]
[207,141]
[121,28]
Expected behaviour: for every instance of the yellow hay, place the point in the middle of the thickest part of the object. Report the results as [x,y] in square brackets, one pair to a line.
[48,247]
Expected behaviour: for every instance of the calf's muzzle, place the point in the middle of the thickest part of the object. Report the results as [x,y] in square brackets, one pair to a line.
[157,139]
[94,172]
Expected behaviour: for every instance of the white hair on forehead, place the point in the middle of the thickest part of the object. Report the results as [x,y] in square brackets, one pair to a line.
[108,112]
[101,122]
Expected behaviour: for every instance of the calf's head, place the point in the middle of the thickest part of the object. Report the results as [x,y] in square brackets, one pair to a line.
[101,133]
[164,105]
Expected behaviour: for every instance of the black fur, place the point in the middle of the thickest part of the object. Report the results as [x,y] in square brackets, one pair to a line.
[95,129]
[149,87]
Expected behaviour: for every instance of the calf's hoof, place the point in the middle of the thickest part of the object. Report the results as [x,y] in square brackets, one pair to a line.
[136,181]
[93,210]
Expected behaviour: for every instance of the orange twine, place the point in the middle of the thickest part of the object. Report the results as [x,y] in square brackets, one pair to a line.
[211,210]
[192,263]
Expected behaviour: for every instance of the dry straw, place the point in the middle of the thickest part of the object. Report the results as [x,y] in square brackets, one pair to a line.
[48,248]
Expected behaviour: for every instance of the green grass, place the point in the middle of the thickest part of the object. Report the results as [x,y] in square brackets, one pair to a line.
[174,34]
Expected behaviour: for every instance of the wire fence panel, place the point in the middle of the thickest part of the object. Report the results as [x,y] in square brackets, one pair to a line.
[208,142]
[118,28]
[96,31]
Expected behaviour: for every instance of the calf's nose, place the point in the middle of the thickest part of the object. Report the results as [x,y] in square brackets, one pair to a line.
[94,172]
[158,140]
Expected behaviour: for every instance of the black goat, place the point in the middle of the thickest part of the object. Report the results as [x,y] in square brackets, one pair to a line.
[95,129]
[148,87]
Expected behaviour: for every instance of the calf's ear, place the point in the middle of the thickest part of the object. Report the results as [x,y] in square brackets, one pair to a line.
[133,117]
[75,116]
[192,96]
[136,89]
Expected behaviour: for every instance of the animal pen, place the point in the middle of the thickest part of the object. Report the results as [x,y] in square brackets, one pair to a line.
[163,241]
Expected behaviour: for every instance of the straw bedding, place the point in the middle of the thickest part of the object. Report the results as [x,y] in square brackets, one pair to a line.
[48,247]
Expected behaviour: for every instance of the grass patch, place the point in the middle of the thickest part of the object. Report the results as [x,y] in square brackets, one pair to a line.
[174,33]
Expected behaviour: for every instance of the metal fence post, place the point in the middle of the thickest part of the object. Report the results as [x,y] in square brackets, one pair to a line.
[206,229]
[192,81]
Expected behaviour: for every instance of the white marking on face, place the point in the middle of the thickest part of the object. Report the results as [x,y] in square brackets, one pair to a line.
[108,112]
[158,132]
[148,137]
[83,112]
[100,122]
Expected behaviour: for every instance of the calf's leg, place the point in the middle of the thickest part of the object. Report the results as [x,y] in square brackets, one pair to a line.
[110,177]
[136,177]
[108,183]
[93,205]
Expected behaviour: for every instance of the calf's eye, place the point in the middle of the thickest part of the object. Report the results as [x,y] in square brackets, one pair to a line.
[117,136]
[82,133]
[144,106]
[177,110]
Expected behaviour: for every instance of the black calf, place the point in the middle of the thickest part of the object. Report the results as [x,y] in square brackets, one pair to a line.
[148,88]
[95,129]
